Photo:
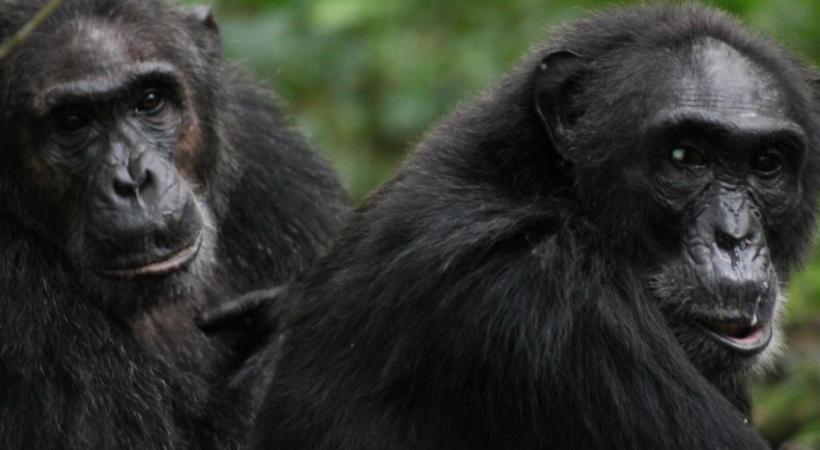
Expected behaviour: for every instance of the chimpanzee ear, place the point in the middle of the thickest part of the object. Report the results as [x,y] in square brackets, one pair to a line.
[206,30]
[553,84]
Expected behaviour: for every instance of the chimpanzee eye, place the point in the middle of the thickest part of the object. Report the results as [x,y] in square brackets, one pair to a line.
[71,122]
[768,163]
[151,103]
[687,157]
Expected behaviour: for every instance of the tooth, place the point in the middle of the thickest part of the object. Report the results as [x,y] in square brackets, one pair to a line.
[754,320]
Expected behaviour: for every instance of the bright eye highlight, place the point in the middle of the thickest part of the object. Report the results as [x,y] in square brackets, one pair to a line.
[151,103]
[687,157]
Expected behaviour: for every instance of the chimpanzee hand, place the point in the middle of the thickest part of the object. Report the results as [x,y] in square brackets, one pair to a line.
[254,314]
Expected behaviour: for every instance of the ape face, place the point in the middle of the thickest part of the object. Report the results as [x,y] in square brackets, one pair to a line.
[110,161]
[728,164]
[708,188]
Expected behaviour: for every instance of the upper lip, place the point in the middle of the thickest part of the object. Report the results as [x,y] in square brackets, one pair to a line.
[169,263]
[745,336]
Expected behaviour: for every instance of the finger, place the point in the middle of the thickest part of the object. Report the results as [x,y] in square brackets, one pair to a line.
[238,308]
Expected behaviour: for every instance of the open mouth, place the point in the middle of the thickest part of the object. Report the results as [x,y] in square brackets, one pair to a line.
[170,264]
[745,338]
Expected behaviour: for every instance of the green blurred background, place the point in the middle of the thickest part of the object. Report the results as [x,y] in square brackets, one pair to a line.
[365,78]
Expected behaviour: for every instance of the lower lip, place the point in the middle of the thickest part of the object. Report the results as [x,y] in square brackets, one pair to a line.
[753,343]
[172,264]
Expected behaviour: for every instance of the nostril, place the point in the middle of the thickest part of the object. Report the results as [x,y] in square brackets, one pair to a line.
[130,187]
[728,242]
[125,189]
[145,180]
[724,241]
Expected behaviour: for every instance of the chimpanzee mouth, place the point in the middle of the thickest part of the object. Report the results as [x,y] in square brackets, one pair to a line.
[745,338]
[164,265]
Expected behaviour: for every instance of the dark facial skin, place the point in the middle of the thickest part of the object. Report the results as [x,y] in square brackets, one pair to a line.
[727,160]
[717,169]
[144,219]
[113,126]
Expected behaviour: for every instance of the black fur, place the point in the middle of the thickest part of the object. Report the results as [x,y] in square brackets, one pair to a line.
[495,293]
[88,363]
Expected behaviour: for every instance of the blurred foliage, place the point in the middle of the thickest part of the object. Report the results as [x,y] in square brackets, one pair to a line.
[365,78]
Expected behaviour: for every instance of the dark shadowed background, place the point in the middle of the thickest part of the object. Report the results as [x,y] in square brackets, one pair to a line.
[365,78]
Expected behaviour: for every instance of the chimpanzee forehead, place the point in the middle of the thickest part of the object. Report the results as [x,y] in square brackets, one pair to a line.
[717,77]
[95,48]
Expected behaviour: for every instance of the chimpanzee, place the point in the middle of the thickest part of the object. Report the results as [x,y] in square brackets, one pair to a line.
[590,256]
[142,180]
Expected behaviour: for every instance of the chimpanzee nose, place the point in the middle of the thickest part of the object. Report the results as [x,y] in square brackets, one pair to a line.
[740,266]
[735,241]
[735,227]
[738,257]
[132,180]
